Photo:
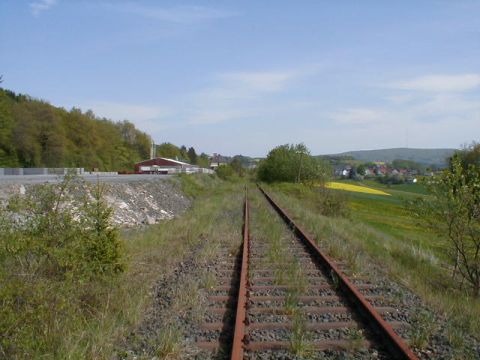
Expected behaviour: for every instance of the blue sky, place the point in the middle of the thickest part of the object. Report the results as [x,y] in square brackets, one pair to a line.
[240,77]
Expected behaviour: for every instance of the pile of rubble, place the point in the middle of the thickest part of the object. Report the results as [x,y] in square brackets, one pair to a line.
[134,202]
[145,202]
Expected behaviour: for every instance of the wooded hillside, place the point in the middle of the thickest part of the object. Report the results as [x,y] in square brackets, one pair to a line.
[422,156]
[34,133]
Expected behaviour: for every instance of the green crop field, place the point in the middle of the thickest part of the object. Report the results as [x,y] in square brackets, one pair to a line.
[390,214]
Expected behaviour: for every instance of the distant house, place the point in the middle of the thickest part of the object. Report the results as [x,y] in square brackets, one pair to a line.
[381,170]
[161,165]
[217,160]
[370,171]
[215,165]
[343,171]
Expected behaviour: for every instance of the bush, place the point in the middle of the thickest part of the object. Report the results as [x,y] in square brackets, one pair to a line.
[391,179]
[292,163]
[453,211]
[57,249]
[225,172]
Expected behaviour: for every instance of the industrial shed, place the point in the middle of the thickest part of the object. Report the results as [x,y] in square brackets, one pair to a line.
[162,165]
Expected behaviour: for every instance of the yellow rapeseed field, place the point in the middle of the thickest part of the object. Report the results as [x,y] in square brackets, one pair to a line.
[355,188]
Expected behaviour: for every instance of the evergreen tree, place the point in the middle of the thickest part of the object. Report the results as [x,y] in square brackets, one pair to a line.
[192,155]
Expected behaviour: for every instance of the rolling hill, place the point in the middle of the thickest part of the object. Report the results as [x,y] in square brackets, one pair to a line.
[422,156]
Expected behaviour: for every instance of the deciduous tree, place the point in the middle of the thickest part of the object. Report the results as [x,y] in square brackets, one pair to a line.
[453,212]
[292,163]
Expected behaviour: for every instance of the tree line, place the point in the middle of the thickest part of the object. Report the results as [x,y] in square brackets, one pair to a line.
[34,133]
[181,153]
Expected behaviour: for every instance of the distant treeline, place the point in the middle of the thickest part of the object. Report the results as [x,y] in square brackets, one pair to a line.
[34,133]
[181,153]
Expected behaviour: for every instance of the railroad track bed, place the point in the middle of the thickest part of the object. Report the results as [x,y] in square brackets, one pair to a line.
[214,334]
[295,309]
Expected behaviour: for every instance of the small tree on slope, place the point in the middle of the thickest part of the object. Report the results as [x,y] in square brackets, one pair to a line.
[453,211]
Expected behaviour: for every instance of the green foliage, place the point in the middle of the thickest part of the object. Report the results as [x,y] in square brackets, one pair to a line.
[292,163]
[57,248]
[422,329]
[169,342]
[203,160]
[36,134]
[225,172]
[408,164]
[194,185]
[453,211]
[231,171]
[391,179]
[470,155]
[361,169]
[169,150]
[238,166]
[192,155]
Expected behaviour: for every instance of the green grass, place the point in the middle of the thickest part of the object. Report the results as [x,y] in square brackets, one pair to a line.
[390,215]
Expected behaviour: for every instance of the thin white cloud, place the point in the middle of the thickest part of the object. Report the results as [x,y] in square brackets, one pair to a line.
[454,110]
[443,105]
[178,14]
[243,94]
[261,81]
[216,116]
[359,116]
[38,7]
[439,83]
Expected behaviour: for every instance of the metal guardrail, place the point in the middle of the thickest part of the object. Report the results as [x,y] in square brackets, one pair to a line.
[40,171]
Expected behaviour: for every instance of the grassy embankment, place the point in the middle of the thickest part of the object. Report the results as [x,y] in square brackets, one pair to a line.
[61,319]
[380,229]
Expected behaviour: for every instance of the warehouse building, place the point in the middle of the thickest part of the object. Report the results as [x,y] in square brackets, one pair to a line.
[162,165]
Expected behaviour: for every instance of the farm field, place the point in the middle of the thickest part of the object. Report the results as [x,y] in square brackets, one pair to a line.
[354,188]
[390,214]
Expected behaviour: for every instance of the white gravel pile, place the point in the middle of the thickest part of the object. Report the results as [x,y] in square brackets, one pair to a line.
[134,202]
[145,202]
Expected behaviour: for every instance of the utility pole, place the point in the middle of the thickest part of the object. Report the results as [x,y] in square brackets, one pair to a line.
[300,166]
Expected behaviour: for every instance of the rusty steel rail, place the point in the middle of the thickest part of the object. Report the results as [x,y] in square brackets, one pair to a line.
[388,337]
[241,316]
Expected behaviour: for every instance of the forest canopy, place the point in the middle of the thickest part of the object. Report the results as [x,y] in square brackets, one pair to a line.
[34,133]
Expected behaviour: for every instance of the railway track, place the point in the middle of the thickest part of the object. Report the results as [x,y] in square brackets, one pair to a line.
[282,297]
